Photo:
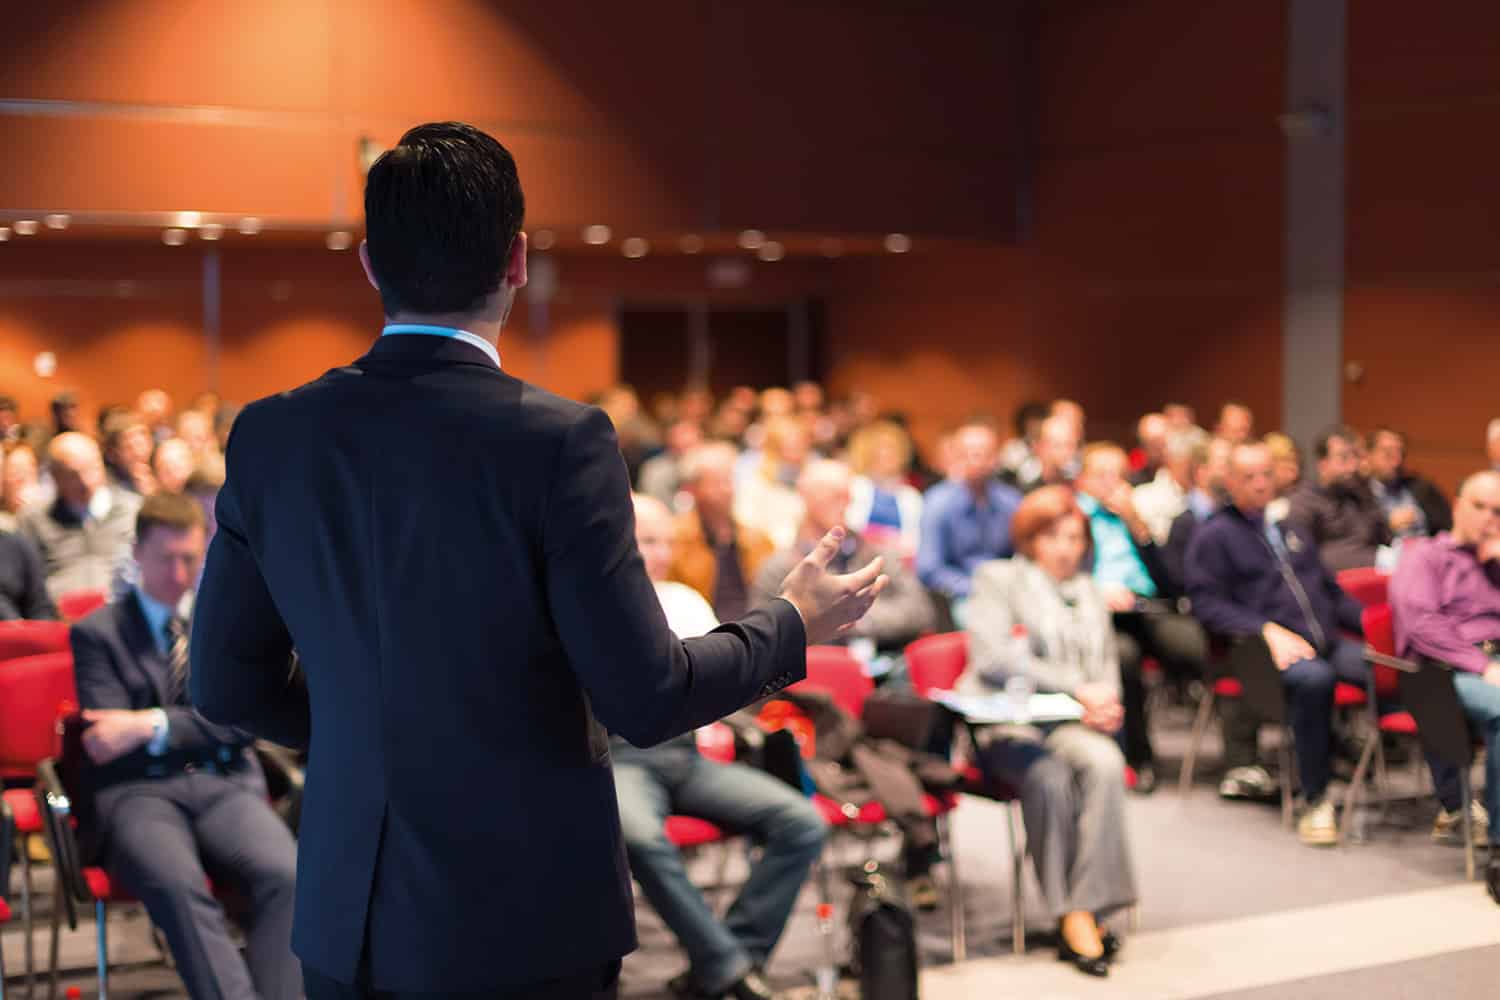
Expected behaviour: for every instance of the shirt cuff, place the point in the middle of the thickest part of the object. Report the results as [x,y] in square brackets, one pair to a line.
[160,733]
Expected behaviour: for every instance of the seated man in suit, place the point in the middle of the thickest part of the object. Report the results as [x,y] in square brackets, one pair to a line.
[1335,508]
[177,798]
[727,957]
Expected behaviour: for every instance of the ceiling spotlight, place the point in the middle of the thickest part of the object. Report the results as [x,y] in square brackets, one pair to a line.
[771,250]
[691,243]
[58,220]
[210,231]
[634,247]
[174,237]
[249,226]
[596,235]
[187,220]
[752,239]
[25,227]
[544,239]
[4,234]
[831,248]
[339,239]
[897,243]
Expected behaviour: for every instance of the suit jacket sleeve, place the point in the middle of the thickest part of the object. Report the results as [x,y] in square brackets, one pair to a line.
[242,666]
[35,603]
[1208,572]
[643,682]
[99,684]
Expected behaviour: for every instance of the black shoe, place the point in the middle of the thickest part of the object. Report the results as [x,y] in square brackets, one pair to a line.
[1112,944]
[751,986]
[923,893]
[1145,780]
[1492,876]
[1088,966]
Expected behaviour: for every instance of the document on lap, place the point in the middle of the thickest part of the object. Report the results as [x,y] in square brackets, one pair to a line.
[998,707]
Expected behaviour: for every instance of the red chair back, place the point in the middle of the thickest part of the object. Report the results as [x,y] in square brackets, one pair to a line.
[32,691]
[27,638]
[936,662]
[80,603]
[1367,585]
[1380,632]
[716,742]
[833,669]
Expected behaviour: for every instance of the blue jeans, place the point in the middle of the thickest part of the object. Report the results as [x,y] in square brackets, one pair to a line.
[675,778]
[1309,687]
[1481,702]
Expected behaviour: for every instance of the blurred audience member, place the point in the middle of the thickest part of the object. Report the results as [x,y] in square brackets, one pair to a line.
[1414,507]
[664,409]
[1180,416]
[172,464]
[965,518]
[883,508]
[1207,464]
[23,579]
[1128,570]
[638,436]
[208,403]
[808,397]
[1336,510]
[661,477]
[903,610]
[223,423]
[85,534]
[696,405]
[1236,423]
[203,486]
[1249,577]
[1165,496]
[1492,443]
[716,556]
[1286,463]
[11,430]
[109,413]
[21,486]
[66,415]
[1151,431]
[1040,616]
[730,424]
[1073,412]
[155,407]
[196,428]
[127,454]
[1445,600]
[1019,450]
[726,957]
[764,500]
[1055,459]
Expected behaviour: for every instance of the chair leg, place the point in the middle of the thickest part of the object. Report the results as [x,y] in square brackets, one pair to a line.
[1468,822]
[57,908]
[1356,785]
[1285,755]
[1200,726]
[28,918]
[955,890]
[103,925]
[1018,887]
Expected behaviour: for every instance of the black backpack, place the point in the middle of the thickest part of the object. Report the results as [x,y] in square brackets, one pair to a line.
[884,938]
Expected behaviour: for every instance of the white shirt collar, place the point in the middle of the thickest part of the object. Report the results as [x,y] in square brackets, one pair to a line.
[451,332]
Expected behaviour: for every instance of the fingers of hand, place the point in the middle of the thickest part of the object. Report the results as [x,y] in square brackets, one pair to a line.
[826,547]
[864,576]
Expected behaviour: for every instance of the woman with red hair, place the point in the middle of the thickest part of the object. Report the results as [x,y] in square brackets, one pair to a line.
[1040,616]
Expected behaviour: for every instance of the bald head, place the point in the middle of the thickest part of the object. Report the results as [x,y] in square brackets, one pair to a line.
[655,535]
[1057,446]
[976,454]
[154,406]
[1152,431]
[77,467]
[1476,509]
[1249,481]
[824,488]
[173,465]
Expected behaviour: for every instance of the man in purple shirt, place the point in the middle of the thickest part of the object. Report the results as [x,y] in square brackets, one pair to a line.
[1445,600]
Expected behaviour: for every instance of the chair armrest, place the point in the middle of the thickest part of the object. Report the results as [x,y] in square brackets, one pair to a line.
[56,810]
[1396,662]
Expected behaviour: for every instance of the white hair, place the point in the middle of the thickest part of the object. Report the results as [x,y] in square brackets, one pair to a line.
[700,458]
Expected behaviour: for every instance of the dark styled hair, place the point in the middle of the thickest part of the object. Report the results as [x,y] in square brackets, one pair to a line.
[442,210]
[170,511]
[1026,413]
[1383,429]
[1339,432]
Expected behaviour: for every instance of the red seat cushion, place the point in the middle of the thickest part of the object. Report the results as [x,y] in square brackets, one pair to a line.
[1228,687]
[1400,723]
[690,831]
[23,807]
[1348,695]
[102,887]
[4,911]
[873,812]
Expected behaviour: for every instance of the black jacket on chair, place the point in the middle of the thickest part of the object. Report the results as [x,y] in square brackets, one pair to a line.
[452,553]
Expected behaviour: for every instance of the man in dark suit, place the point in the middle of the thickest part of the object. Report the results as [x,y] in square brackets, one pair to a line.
[452,553]
[178,799]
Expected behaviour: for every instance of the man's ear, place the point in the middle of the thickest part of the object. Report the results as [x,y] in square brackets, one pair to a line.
[364,262]
[515,268]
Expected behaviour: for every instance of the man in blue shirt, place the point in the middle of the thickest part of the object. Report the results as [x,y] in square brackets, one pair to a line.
[966,518]
[1130,573]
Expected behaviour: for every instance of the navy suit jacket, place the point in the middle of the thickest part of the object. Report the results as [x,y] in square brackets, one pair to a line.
[452,554]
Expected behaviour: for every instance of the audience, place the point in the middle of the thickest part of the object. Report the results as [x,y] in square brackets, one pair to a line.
[1161,499]
[196,428]
[1249,577]
[716,555]
[172,465]
[1206,467]
[11,429]
[1445,603]
[1286,465]
[155,408]
[764,497]
[1039,615]
[1020,449]
[661,476]
[20,485]
[966,518]
[883,506]
[1414,507]
[727,957]
[1128,571]
[1151,432]
[66,418]
[1236,423]
[1336,510]
[1055,459]
[23,579]
[85,534]
[1492,443]
[1074,414]
[127,453]
[1180,417]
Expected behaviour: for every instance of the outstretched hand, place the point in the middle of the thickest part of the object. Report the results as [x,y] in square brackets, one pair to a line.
[830,605]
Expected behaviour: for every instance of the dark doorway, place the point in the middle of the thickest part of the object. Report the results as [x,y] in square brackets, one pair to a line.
[666,348]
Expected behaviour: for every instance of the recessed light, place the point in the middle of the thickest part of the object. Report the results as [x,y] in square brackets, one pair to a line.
[898,243]
[4,234]
[771,250]
[58,220]
[691,243]
[596,235]
[45,364]
[339,239]
[752,239]
[634,247]
[249,226]
[544,239]
[210,231]
[26,227]
[188,220]
[174,237]
[831,248]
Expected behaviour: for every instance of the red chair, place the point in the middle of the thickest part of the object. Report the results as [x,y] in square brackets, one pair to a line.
[28,638]
[32,691]
[833,669]
[77,604]
[935,663]
[1367,585]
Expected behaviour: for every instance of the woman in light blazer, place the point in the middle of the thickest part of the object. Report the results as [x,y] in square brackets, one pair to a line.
[1040,615]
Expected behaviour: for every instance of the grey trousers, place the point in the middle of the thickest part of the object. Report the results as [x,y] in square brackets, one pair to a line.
[1072,784]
